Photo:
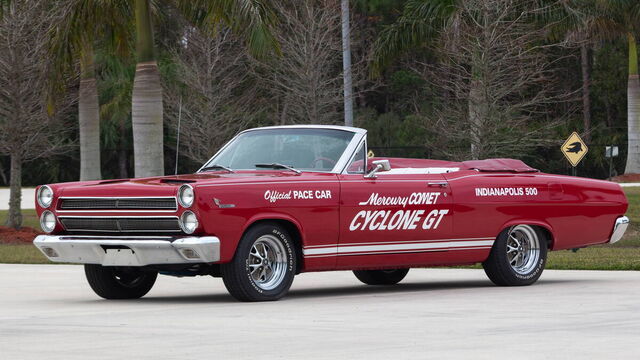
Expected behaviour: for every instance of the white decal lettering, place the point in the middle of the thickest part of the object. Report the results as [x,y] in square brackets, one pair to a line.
[507,191]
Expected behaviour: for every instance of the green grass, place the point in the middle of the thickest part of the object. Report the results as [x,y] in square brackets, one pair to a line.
[29,218]
[596,258]
[624,255]
[21,254]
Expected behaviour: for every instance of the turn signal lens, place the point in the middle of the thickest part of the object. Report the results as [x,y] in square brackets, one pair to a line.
[189,253]
[47,221]
[49,252]
[188,222]
[45,196]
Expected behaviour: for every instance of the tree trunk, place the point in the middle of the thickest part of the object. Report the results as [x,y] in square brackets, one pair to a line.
[89,118]
[477,116]
[147,121]
[122,152]
[14,220]
[586,84]
[633,111]
[146,101]
[346,65]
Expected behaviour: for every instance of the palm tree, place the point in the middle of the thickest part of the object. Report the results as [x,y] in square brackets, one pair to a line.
[146,101]
[92,20]
[251,18]
[346,64]
[616,19]
[85,23]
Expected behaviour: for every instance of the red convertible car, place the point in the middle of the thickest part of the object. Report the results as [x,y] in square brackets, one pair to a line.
[277,201]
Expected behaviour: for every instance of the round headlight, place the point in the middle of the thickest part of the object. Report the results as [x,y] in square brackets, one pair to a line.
[185,195]
[47,221]
[188,222]
[45,196]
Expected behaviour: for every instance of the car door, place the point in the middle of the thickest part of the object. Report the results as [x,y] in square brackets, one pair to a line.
[399,218]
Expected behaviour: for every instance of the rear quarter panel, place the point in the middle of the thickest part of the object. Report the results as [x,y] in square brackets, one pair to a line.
[577,212]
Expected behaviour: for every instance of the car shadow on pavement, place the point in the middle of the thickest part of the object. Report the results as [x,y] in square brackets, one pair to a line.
[361,289]
[341,291]
[408,288]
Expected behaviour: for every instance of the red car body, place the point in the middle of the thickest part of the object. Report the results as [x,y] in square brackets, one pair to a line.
[419,213]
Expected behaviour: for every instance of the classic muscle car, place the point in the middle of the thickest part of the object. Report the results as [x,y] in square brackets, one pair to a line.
[278,201]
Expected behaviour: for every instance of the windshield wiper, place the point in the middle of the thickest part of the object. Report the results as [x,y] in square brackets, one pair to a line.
[216,167]
[278,166]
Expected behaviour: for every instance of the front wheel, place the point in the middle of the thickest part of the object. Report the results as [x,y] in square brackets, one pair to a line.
[381,277]
[518,256]
[264,265]
[114,282]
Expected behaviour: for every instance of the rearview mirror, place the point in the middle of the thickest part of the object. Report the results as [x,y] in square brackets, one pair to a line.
[380,165]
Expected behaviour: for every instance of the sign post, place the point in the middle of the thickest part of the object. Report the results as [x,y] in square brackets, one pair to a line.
[574,149]
[610,152]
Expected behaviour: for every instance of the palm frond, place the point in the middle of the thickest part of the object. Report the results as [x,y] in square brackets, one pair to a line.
[420,21]
[252,19]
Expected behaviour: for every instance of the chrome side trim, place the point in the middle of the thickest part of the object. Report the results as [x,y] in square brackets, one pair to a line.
[618,229]
[127,250]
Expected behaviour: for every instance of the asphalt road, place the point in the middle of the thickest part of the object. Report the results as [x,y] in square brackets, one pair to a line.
[48,312]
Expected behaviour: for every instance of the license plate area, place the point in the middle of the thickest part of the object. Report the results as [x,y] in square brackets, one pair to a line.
[119,256]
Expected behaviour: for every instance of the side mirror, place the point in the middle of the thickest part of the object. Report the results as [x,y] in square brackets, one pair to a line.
[380,165]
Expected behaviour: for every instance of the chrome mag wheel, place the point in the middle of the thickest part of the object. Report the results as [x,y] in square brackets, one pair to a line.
[523,249]
[267,262]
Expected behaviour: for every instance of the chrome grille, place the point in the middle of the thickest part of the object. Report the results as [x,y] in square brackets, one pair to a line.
[119,204]
[121,224]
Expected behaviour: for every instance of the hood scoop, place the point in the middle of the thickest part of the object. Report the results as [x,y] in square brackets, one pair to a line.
[176,181]
[117,181]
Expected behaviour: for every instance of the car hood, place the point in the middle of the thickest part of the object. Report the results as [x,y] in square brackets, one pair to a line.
[168,185]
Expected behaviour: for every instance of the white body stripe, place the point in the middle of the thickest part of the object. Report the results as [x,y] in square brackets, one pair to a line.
[395,247]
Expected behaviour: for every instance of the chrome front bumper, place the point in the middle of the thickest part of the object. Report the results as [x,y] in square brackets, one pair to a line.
[129,250]
[619,228]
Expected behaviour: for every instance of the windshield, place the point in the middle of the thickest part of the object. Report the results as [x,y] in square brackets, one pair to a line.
[302,149]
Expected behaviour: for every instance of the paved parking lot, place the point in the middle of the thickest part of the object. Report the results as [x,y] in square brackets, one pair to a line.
[48,312]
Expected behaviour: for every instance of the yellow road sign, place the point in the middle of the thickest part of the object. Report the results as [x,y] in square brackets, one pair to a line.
[574,149]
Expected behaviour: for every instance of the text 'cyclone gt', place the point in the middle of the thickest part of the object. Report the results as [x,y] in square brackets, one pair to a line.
[278,201]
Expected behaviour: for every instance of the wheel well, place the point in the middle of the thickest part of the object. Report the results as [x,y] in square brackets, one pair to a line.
[547,234]
[544,231]
[293,230]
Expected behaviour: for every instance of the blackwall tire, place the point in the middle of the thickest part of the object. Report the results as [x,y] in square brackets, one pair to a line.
[381,277]
[118,283]
[264,265]
[517,257]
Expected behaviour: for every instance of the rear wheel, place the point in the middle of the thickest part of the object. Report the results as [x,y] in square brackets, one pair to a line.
[113,282]
[264,265]
[518,256]
[381,277]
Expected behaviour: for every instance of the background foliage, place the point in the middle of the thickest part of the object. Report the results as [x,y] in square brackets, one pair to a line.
[395,106]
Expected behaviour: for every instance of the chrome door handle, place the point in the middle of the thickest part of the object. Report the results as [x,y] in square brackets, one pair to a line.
[438,184]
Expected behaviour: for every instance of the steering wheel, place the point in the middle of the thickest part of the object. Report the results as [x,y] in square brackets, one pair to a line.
[322,158]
